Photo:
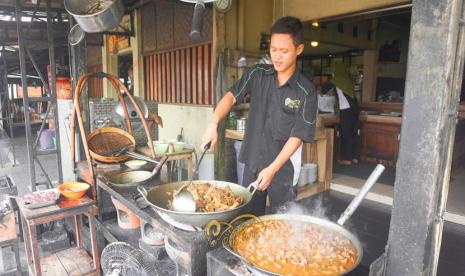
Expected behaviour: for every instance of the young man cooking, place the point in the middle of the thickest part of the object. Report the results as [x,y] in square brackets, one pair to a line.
[282,115]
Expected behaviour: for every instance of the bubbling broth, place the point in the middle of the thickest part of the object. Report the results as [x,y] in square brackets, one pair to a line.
[291,247]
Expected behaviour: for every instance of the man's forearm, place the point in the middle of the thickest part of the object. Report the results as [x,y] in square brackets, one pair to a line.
[223,107]
[288,150]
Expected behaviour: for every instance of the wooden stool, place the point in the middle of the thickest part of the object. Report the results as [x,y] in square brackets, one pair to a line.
[14,246]
[71,261]
[8,238]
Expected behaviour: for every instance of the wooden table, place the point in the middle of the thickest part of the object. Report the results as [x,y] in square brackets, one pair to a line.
[72,261]
[185,154]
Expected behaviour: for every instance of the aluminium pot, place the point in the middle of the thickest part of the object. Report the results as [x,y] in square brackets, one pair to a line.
[95,20]
[158,197]
[325,224]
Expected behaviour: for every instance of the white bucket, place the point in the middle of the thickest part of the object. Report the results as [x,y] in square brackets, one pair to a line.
[308,174]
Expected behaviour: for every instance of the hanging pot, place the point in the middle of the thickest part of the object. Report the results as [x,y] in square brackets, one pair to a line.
[95,16]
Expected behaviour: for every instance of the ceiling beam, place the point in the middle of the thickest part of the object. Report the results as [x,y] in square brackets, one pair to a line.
[11,7]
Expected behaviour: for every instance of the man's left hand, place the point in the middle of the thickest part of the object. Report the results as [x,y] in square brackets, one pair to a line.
[265,177]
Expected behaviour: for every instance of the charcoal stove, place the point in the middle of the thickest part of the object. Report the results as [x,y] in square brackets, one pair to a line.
[150,235]
[222,263]
[193,245]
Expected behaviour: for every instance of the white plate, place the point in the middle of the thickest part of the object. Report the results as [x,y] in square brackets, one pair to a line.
[135,164]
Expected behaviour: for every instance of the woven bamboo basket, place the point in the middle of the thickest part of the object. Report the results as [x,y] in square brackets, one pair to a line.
[108,139]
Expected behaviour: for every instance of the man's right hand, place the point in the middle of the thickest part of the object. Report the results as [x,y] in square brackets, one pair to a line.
[210,135]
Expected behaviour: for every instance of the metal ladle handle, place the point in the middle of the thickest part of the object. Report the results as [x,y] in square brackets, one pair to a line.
[207,146]
[160,164]
[142,191]
[361,194]
[253,186]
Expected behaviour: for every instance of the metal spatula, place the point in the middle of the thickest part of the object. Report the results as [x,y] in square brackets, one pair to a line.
[183,201]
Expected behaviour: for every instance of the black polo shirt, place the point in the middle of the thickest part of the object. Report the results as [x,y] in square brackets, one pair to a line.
[276,113]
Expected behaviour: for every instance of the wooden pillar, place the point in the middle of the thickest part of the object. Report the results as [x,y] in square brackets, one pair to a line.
[370,69]
[218,45]
[434,75]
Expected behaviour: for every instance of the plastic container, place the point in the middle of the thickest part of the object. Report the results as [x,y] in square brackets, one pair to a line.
[73,190]
[179,146]
[160,146]
[63,88]
[46,139]
[308,174]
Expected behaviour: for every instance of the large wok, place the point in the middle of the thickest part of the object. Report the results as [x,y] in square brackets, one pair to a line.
[325,224]
[130,179]
[158,197]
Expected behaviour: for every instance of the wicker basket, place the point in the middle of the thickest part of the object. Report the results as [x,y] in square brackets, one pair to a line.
[107,139]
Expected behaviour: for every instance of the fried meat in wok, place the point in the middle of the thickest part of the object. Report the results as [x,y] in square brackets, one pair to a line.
[209,198]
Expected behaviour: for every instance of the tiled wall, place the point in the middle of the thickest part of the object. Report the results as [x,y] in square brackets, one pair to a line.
[102,114]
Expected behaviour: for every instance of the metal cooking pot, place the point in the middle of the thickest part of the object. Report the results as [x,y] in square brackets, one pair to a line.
[325,224]
[129,179]
[158,197]
[131,109]
[95,20]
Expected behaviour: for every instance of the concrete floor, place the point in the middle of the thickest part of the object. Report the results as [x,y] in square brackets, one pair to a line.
[20,175]
[20,172]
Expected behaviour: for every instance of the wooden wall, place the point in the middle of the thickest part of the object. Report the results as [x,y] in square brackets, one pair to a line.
[166,25]
[180,76]
[177,70]
[94,64]
[95,84]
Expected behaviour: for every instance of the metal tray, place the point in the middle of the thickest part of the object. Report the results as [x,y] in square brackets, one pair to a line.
[44,203]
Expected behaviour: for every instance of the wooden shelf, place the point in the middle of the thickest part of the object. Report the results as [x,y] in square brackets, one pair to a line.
[71,261]
[311,189]
[390,120]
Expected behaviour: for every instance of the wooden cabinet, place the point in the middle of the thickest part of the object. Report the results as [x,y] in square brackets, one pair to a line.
[380,143]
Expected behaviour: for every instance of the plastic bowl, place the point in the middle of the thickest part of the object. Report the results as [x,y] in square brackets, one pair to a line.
[73,190]
[135,164]
[179,146]
[160,146]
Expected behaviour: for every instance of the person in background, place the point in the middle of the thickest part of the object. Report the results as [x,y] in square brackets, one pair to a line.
[343,86]
[282,115]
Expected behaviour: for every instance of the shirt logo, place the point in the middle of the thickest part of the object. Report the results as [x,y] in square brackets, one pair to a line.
[290,103]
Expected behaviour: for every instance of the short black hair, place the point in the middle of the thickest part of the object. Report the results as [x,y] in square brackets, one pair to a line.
[326,87]
[289,25]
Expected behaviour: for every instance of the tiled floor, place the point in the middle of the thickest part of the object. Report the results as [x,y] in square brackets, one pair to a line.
[455,209]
